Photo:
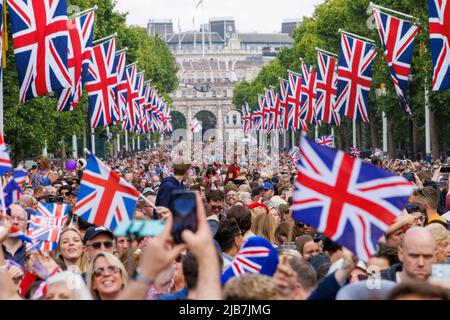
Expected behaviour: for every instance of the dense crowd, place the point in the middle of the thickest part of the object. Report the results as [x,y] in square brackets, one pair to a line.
[239,207]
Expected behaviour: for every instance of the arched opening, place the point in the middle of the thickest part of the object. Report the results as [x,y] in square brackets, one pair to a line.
[208,120]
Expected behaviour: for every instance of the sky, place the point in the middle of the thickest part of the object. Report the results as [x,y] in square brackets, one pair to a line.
[250,15]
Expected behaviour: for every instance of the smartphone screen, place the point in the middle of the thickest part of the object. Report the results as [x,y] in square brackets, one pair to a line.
[183,205]
[445,169]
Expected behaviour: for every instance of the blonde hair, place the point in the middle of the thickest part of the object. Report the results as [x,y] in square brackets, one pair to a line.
[250,286]
[438,232]
[83,259]
[44,163]
[264,225]
[112,260]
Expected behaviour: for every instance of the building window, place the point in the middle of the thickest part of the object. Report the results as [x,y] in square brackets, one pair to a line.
[234,119]
[225,93]
[183,93]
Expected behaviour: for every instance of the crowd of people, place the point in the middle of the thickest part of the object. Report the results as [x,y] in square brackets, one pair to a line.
[239,207]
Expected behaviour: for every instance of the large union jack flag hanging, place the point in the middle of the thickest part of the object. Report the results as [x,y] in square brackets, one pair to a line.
[439,21]
[120,62]
[81,31]
[48,221]
[40,37]
[101,85]
[293,98]
[326,88]
[105,199]
[308,95]
[327,141]
[398,38]
[132,97]
[5,161]
[354,77]
[284,105]
[351,202]
[247,118]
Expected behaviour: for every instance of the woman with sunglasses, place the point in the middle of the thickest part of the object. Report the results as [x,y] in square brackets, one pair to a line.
[106,276]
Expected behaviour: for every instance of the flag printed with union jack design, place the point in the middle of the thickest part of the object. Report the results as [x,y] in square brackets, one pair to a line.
[12,192]
[257,255]
[308,95]
[120,62]
[132,96]
[42,246]
[284,105]
[40,37]
[48,221]
[293,98]
[351,202]
[104,198]
[439,25]
[247,119]
[354,77]
[355,152]
[101,85]
[20,176]
[5,161]
[326,88]
[327,141]
[81,33]
[398,38]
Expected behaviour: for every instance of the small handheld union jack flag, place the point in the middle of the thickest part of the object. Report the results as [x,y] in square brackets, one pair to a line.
[48,222]
[257,255]
[105,199]
[5,161]
[351,202]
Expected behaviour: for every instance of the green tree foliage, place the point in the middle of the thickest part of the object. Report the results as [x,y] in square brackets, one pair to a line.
[321,30]
[28,126]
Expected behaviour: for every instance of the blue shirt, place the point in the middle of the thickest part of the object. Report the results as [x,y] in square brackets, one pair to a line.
[19,255]
[179,295]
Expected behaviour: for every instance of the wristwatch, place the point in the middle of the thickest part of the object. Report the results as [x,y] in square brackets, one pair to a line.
[139,277]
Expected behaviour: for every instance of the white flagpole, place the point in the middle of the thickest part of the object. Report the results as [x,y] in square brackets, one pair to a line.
[385,137]
[1,103]
[316,132]
[75,146]
[354,133]
[126,141]
[2,195]
[427,121]
[93,140]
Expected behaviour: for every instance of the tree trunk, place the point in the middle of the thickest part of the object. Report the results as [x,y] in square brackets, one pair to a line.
[436,152]
[391,143]
[417,139]
[373,135]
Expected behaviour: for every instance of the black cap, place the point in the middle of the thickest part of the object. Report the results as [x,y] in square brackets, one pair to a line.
[92,232]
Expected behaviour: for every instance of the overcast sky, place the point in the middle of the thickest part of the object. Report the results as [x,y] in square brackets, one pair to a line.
[250,15]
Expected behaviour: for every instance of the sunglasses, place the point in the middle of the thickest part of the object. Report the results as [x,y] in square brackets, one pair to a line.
[98,245]
[101,271]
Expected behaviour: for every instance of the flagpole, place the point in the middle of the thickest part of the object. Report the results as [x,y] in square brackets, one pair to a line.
[327,52]
[354,133]
[93,140]
[2,195]
[122,50]
[376,6]
[78,14]
[105,38]
[385,137]
[316,132]
[356,36]
[427,121]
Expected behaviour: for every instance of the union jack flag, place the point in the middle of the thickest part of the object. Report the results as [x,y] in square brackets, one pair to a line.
[41,246]
[132,96]
[12,192]
[257,255]
[81,32]
[294,154]
[293,99]
[48,221]
[257,118]
[327,141]
[247,118]
[398,38]
[355,152]
[120,62]
[439,25]
[308,96]
[354,77]
[40,37]
[351,202]
[5,161]
[284,87]
[265,113]
[167,119]
[275,110]
[326,88]
[101,85]
[140,103]
[16,233]
[105,199]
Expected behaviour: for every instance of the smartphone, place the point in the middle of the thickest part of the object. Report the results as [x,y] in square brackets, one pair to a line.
[183,205]
[440,272]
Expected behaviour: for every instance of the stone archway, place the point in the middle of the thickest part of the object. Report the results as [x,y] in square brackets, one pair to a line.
[208,120]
